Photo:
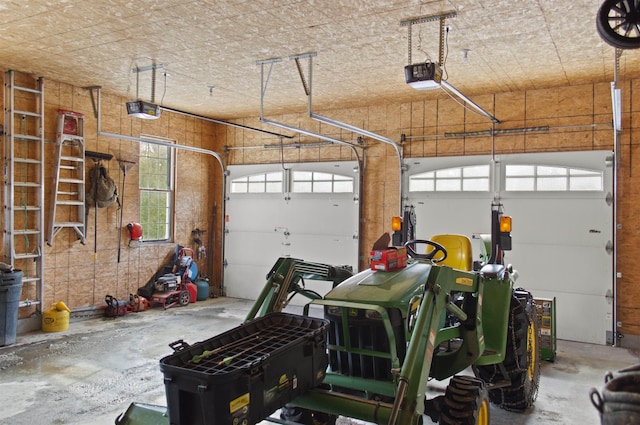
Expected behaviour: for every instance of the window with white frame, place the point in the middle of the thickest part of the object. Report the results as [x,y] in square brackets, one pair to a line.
[317,182]
[542,178]
[258,183]
[156,191]
[472,178]
[301,182]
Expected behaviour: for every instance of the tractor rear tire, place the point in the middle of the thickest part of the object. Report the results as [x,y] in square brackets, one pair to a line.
[522,357]
[306,417]
[465,402]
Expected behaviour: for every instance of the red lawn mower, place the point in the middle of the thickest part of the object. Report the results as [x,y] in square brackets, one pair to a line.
[177,287]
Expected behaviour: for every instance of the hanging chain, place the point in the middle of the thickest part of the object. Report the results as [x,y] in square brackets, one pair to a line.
[153,83]
[410,43]
[441,46]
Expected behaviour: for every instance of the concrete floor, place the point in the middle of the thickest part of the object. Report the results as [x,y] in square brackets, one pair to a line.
[90,373]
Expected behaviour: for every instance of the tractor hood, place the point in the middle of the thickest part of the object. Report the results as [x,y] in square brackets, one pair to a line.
[385,288]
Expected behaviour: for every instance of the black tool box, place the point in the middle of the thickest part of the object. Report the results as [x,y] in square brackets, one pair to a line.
[243,375]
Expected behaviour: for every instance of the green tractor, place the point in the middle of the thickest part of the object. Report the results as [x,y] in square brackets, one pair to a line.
[392,328]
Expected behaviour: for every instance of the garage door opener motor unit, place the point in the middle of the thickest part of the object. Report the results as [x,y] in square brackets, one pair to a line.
[423,76]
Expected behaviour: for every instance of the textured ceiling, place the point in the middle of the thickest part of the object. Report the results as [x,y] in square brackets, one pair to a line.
[361,48]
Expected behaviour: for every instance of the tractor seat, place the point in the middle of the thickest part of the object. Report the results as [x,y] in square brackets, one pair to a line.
[459,252]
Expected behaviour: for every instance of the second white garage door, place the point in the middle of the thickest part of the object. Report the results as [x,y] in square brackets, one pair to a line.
[562,231]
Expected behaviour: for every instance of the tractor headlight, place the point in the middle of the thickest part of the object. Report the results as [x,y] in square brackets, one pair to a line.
[334,310]
[372,314]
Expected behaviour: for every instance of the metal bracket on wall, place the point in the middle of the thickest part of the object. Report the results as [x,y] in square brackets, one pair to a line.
[429,18]
[307,84]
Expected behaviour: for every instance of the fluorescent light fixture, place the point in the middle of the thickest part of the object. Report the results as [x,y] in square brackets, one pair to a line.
[144,110]
[423,76]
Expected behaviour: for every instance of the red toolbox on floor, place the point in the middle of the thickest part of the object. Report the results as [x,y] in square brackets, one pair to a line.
[243,375]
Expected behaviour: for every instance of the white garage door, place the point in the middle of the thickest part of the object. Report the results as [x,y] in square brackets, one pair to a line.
[307,211]
[563,223]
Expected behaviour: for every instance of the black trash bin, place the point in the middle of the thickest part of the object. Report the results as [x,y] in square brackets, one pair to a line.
[10,290]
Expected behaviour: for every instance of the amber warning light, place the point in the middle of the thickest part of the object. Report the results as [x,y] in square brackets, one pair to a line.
[505,224]
[396,223]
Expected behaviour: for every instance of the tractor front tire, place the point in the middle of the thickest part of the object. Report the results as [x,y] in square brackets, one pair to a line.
[465,402]
[306,417]
[522,357]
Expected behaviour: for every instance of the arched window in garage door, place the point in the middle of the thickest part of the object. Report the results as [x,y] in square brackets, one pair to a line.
[544,178]
[258,183]
[470,178]
[317,182]
[301,182]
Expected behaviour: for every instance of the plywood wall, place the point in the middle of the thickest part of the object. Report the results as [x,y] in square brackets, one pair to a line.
[81,275]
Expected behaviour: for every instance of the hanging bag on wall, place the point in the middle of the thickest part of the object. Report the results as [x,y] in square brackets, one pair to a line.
[103,191]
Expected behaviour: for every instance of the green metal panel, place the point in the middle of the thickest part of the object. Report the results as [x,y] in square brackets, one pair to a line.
[349,406]
[445,365]
[386,288]
[384,317]
[265,301]
[496,297]
[283,279]
[361,384]
[144,414]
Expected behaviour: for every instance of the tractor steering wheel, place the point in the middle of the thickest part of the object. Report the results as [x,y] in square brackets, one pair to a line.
[436,248]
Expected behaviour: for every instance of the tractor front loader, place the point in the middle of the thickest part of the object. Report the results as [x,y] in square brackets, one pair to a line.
[392,328]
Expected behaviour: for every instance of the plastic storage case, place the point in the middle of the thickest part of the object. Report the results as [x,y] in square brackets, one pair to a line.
[243,375]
